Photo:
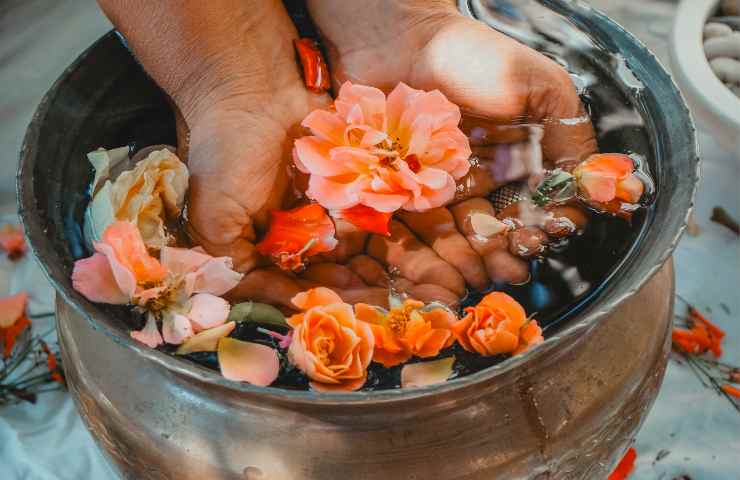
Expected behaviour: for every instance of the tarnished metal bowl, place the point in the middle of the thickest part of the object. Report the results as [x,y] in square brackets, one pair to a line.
[564,410]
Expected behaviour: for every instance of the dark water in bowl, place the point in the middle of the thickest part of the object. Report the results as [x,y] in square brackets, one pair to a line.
[562,283]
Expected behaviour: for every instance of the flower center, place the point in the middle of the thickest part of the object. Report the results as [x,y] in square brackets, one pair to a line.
[324,348]
[398,319]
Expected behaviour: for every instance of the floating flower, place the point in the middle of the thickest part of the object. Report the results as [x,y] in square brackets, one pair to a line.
[497,325]
[121,271]
[366,218]
[147,196]
[13,320]
[426,373]
[247,362]
[609,176]
[403,151]
[297,234]
[12,241]
[191,302]
[330,344]
[409,329]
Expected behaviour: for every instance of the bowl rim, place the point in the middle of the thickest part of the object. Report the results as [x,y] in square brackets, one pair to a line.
[578,326]
[691,64]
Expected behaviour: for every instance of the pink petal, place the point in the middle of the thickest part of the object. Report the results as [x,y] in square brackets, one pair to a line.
[207,311]
[432,198]
[313,154]
[124,277]
[350,112]
[433,177]
[326,125]
[420,134]
[383,202]
[598,187]
[333,195]
[399,100]
[176,328]
[94,279]
[180,261]
[426,373]
[149,335]
[356,160]
[207,340]
[442,112]
[247,362]
[12,308]
[216,276]
[370,99]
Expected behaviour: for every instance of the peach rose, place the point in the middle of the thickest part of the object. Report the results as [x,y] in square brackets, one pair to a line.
[329,344]
[497,325]
[407,330]
[605,177]
[403,151]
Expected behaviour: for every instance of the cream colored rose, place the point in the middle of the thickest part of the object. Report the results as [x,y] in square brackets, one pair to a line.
[149,195]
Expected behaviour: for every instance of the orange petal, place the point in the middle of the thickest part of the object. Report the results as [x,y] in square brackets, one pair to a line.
[297,234]
[366,218]
[12,308]
[630,189]
[510,307]
[315,71]
[11,333]
[207,311]
[426,373]
[129,249]
[460,330]
[614,165]
[315,297]
[625,467]
[247,362]
[12,241]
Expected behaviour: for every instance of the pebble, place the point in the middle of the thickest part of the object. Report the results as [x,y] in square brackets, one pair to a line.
[723,46]
[713,30]
[727,69]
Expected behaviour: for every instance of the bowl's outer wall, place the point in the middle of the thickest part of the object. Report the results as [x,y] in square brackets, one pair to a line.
[568,416]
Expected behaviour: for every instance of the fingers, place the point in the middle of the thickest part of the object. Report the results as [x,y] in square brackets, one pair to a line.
[267,285]
[436,227]
[333,275]
[415,261]
[501,264]
[432,293]
[564,220]
[527,242]
[351,242]
[369,270]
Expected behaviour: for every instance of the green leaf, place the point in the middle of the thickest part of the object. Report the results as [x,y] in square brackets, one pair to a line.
[258,313]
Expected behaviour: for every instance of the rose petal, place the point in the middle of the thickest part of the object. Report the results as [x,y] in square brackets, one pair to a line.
[12,308]
[149,335]
[207,311]
[598,187]
[370,99]
[123,276]
[180,261]
[315,297]
[216,276]
[326,125]
[333,195]
[207,340]
[93,278]
[314,155]
[426,373]
[176,328]
[247,362]
[399,100]
[366,218]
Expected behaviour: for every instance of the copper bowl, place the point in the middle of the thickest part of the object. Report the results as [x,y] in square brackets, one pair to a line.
[564,410]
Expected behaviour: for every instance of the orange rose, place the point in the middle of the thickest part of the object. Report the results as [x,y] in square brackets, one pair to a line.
[329,344]
[407,330]
[498,324]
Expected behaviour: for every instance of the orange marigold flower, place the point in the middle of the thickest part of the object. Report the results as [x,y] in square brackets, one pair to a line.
[408,329]
[315,71]
[609,176]
[366,218]
[497,325]
[13,320]
[297,234]
[625,467]
[12,241]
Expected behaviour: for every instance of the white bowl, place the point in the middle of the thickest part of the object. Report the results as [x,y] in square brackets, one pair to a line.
[715,107]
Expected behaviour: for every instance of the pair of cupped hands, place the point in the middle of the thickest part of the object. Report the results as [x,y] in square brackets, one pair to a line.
[230,68]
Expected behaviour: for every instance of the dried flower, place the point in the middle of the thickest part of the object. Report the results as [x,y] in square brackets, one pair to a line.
[12,241]
[315,71]
[609,176]
[13,320]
